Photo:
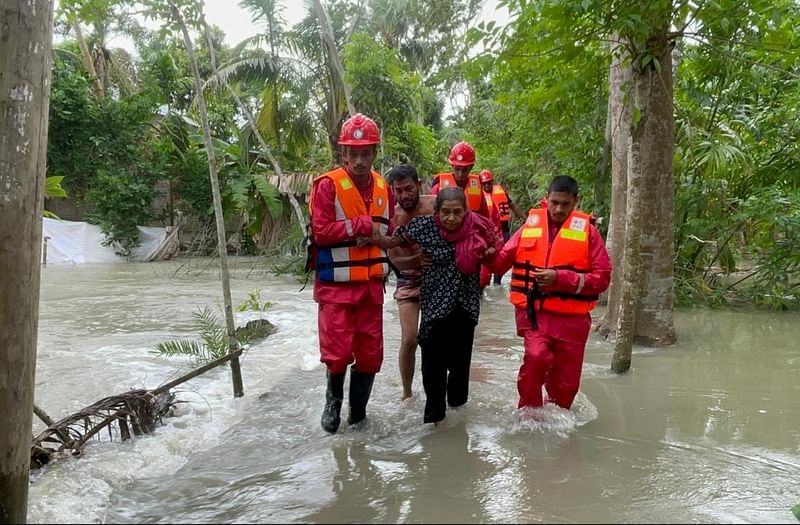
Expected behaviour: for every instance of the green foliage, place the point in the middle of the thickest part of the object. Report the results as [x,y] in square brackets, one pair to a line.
[246,189]
[120,203]
[427,35]
[796,511]
[383,88]
[543,113]
[213,343]
[291,253]
[53,190]
[104,149]
[52,187]
[253,302]
[73,120]
[186,166]
[737,160]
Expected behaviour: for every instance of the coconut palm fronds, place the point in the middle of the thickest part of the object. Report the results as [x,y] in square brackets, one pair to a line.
[134,412]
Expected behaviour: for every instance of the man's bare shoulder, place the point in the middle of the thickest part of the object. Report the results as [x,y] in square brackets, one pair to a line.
[424,207]
[426,204]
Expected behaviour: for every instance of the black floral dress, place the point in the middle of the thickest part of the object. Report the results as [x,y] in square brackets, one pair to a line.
[444,286]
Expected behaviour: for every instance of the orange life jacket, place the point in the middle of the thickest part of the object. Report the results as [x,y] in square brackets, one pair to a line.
[569,251]
[346,261]
[500,199]
[473,190]
[490,208]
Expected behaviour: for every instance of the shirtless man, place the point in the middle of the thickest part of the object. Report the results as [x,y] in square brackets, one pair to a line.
[410,260]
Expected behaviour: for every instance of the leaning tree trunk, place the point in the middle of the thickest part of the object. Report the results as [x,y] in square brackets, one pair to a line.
[329,43]
[25,72]
[645,309]
[283,181]
[326,32]
[233,345]
[620,119]
[86,59]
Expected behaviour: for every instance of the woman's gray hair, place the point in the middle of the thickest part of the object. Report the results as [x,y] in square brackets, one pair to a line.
[451,193]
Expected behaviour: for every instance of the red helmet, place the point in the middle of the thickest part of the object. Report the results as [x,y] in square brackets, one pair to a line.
[462,154]
[359,130]
[486,176]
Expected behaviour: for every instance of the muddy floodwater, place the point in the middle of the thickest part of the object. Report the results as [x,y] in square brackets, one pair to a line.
[707,431]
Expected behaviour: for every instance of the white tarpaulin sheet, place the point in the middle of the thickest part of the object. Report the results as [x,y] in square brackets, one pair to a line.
[81,242]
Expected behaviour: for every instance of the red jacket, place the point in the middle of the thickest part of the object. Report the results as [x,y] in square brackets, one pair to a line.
[570,328]
[327,230]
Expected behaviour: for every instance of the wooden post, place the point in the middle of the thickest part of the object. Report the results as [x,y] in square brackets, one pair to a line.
[44,250]
[25,72]
[233,345]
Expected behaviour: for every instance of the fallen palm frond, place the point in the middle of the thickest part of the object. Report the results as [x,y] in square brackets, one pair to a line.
[135,411]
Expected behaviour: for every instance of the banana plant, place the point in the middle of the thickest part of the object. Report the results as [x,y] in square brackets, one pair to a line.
[246,188]
[53,190]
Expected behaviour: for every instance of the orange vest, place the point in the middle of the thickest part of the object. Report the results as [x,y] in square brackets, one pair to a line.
[346,261]
[490,208]
[500,199]
[473,190]
[569,251]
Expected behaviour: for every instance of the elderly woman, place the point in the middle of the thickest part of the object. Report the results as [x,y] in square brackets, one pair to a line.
[457,241]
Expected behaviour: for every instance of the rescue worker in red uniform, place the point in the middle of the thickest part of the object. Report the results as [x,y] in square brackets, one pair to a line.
[350,209]
[497,197]
[494,213]
[560,267]
[462,159]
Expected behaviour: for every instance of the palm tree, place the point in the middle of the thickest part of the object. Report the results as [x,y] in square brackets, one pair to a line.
[109,68]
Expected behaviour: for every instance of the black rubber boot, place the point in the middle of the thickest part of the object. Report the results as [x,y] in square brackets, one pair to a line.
[360,389]
[333,403]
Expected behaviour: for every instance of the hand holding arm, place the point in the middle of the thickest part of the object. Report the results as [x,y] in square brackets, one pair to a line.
[326,228]
[518,211]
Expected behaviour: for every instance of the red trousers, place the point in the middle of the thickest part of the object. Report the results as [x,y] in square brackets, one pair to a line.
[351,333]
[551,362]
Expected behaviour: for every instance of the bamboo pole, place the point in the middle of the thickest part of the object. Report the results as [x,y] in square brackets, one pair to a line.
[233,345]
[196,372]
[252,124]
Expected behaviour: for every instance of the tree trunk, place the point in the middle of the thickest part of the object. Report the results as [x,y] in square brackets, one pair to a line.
[25,72]
[645,309]
[86,58]
[654,317]
[287,189]
[337,87]
[233,345]
[629,285]
[620,115]
[326,32]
